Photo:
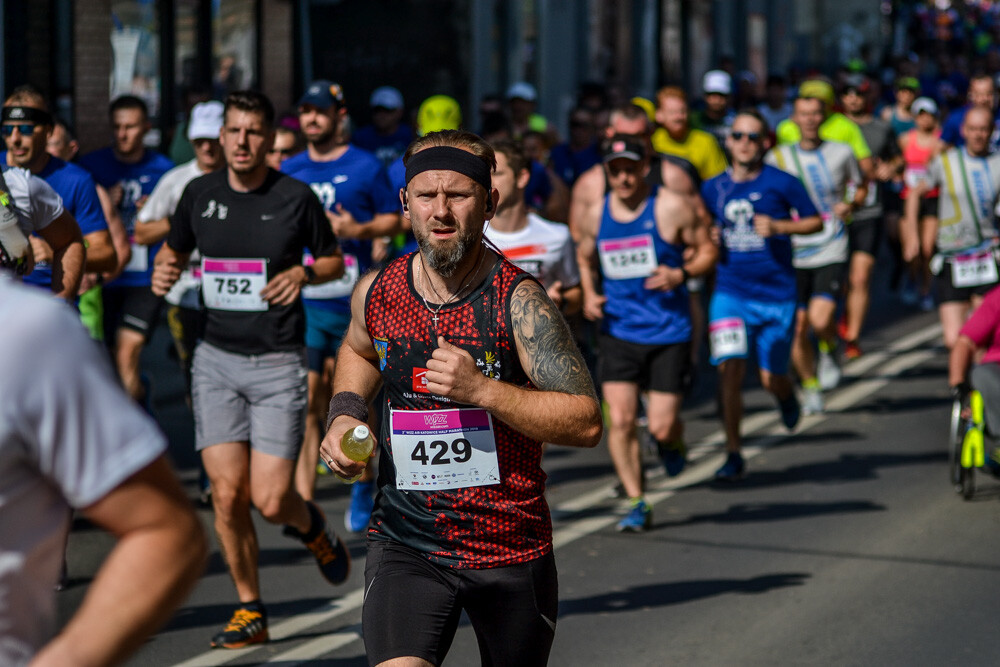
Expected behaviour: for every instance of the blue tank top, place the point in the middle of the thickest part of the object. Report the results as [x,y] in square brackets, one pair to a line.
[629,252]
[900,126]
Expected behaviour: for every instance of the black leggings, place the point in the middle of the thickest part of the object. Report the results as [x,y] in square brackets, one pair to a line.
[412,607]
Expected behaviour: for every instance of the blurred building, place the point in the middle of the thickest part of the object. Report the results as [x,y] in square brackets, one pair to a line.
[172,52]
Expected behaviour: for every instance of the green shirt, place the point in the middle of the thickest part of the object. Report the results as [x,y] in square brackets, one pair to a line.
[837,127]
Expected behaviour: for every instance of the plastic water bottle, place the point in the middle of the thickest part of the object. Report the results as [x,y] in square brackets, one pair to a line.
[357,445]
[13,242]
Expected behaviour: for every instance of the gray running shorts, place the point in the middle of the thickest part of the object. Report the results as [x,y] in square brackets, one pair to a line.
[260,399]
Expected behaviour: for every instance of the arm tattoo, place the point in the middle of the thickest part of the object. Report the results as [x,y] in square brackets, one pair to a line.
[554,362]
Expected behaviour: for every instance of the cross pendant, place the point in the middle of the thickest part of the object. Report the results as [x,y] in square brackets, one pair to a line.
[435,320]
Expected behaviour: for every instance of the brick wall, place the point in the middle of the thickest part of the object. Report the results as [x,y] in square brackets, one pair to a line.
[92,72]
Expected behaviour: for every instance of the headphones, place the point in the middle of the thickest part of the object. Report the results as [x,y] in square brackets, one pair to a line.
[405,201]
[489,202]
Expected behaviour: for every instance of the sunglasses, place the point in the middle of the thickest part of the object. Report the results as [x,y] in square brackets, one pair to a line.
[752,136]
[283,151]
[27,129]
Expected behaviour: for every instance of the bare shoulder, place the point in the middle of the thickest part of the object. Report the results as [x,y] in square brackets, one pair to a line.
[676,178]
[360,294]
[544,343]
[590,184]
[675,208]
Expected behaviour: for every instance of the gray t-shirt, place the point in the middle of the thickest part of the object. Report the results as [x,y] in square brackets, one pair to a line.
[970,188]
[826,172]
[882,141]
[68,436]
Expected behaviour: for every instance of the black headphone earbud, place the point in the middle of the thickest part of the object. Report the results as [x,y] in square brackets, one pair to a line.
[489,204]
[405,207]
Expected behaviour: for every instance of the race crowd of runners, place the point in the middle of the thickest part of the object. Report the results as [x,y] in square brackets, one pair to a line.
[471,293]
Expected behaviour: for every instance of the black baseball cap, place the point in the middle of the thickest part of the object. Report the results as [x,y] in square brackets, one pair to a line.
[323,94]
[624,146]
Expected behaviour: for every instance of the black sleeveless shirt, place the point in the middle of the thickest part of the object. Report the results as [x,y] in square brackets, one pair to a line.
[477,526]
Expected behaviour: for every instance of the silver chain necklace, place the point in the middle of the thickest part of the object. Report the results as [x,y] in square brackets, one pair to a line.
[453,297]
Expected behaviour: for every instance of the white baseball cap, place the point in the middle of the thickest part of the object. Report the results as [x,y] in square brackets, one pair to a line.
[717,81]
[924,104]
[522,90]
[206,121]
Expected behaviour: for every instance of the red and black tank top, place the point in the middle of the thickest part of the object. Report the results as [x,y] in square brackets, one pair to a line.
[475,526]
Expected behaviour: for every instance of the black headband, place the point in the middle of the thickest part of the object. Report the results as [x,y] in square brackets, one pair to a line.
[28,114]
[451,159]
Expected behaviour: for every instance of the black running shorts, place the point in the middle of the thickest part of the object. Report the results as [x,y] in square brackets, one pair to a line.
[130,307]
[947,292]
[664,368]
[412,607]
[823,281]
[865,236]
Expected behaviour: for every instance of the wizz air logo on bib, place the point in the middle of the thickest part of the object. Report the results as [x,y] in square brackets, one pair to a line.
[436,419]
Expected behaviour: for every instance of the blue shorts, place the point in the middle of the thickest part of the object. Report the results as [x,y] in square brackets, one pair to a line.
[324,331]
[737,326]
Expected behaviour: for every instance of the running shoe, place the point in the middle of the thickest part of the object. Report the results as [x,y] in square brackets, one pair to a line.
[331,555]
[674,456]
[638,519]
[852,350]
[359,512]
[790,411]
[842,327]
[828,368]
[812,403]
[247,626]
[733,469]
[927,303]
[909,295]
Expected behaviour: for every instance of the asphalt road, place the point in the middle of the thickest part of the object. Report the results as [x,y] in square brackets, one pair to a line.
[845,544]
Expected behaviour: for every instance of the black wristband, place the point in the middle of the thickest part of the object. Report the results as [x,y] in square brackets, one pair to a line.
[347,403]
[684,272]
[310,273]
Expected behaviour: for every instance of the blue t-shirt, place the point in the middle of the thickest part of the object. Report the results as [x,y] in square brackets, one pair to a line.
[750,266]
[405,243]
[79,195]
[387,148]
[539,187]
[569,164]
[137,181]
[357,181]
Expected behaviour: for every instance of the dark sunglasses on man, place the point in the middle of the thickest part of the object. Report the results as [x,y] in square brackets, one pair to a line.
[26,129]
[752,136]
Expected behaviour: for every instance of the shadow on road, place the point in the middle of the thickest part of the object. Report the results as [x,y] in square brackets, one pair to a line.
[665,594]
[847,468]
[211,615]
[760,512]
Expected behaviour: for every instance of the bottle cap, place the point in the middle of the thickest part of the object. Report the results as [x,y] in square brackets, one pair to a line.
[361,432]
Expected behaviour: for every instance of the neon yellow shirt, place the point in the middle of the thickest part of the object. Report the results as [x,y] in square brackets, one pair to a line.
[700,149]
[837,127]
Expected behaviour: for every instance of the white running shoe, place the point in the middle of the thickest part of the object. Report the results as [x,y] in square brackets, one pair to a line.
[828,371]
[812,401]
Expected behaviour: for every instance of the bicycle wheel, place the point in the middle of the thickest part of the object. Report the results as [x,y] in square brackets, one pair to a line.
[955,438]
[967,484]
